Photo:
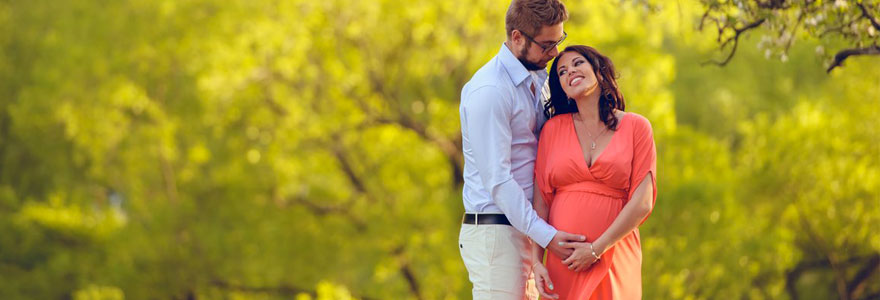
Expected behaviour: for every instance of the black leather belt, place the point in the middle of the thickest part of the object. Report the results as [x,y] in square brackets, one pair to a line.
[485,219]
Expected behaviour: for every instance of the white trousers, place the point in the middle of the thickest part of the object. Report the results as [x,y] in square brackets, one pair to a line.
[499,261]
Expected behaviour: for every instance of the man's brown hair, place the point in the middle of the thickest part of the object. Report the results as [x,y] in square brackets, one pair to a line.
[528,16]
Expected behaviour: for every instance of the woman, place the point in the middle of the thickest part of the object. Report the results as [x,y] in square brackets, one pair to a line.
[595,174]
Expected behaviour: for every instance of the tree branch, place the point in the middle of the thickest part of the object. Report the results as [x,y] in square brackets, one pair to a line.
[837,267]
[735,39]
[411,279]
[168,179]
[347,168]
[868,15]
[857,286]
[846,53]
[408,273]
[773,4]
[359,224]
[263,76]
[4,137]
[703,19]
[794,32]
[794,274]
[838,29]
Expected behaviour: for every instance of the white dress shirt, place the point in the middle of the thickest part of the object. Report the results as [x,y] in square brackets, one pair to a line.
[500,122]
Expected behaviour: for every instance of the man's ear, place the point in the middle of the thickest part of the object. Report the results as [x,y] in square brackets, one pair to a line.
[517,38]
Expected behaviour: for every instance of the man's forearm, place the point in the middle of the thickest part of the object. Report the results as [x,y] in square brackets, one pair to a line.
[512,201]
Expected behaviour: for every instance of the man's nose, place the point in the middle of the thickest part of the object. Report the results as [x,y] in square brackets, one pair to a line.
[553,51]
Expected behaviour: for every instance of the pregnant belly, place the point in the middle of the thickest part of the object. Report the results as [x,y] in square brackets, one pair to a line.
[584,213]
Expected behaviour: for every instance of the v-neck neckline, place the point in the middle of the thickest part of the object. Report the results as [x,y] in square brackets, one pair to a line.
[591,164]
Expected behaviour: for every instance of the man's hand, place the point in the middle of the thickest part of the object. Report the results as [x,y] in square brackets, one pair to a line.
[542,281]
[563,237]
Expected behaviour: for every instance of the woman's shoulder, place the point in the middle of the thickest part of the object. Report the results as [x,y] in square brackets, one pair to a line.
[638,121]
[639,126]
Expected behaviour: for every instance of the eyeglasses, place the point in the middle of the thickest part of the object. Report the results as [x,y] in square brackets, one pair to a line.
[546,46]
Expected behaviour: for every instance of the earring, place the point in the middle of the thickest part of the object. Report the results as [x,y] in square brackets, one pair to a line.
[569,101]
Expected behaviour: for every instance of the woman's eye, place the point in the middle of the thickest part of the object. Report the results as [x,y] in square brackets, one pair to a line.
[578,63]
[561,72]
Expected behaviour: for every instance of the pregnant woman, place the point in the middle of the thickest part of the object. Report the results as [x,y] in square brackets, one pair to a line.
[595,176]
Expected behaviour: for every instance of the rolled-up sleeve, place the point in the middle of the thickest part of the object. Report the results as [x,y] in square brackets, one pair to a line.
[486,120]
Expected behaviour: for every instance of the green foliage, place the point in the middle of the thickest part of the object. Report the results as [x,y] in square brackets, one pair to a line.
[311,150]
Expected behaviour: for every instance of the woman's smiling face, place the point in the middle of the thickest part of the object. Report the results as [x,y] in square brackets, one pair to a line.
[576,75]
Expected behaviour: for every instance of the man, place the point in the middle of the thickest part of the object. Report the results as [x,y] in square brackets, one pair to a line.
[501,116]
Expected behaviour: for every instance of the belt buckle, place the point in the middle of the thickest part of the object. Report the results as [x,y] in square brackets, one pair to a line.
[476,218]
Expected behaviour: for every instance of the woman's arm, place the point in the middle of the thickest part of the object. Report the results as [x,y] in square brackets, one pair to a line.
[633,213]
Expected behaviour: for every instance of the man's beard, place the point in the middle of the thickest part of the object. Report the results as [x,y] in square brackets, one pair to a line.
[529,65]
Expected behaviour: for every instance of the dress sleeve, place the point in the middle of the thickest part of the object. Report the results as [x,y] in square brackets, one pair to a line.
[542,174]
[644,159]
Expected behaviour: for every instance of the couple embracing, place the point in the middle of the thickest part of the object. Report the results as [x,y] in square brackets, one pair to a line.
[554,189]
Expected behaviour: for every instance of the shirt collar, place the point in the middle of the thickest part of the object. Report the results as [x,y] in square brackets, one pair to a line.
[540,76]
[514,67]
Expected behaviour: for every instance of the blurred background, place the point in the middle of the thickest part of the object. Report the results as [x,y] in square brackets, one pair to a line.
[299,149]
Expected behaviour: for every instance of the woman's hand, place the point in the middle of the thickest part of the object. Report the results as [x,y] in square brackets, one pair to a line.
[582,257]
[542,281]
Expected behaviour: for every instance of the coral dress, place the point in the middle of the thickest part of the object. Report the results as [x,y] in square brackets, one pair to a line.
[586,200]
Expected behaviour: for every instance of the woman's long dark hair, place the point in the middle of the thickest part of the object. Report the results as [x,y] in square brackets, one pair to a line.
[610,97]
